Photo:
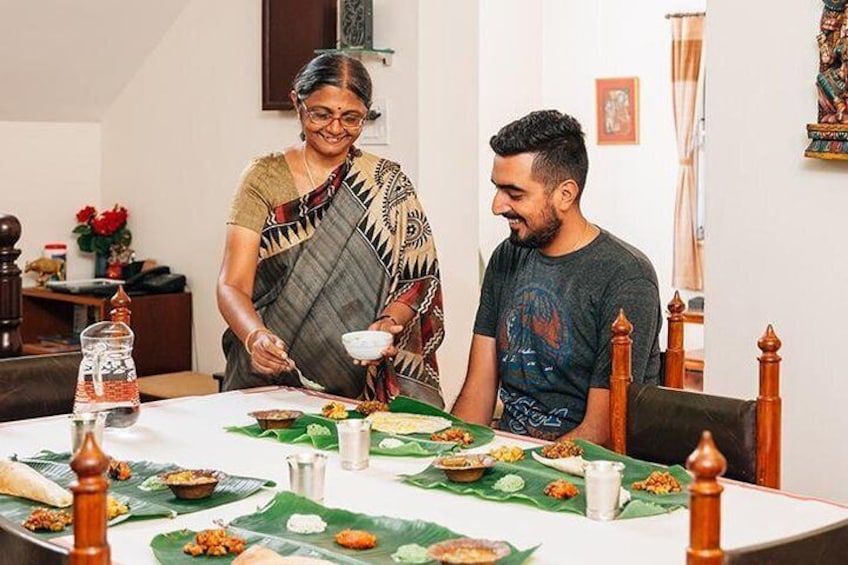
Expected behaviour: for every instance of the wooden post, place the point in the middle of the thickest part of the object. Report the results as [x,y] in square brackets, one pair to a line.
[706,463]
[120,311]
[90,545]
[10,287]
[620,379]
[768,411]
[674,353]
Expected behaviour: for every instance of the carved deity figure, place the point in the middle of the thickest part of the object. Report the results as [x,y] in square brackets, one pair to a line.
[832,80]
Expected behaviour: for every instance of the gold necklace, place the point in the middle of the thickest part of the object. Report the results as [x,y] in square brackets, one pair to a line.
[582,237]
[308,170]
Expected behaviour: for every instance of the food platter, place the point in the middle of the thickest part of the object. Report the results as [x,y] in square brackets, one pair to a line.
[268,527]
[319,429]
[542,484]
[144,494]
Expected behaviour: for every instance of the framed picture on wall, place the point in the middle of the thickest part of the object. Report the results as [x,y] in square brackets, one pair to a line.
[617,108]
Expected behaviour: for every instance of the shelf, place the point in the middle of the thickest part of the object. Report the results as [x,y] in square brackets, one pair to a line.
[161,322]
[360,52]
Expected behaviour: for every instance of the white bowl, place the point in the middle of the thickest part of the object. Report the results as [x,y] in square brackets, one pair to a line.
[366,345]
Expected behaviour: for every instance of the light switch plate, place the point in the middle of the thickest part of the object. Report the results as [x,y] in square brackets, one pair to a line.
[376,132]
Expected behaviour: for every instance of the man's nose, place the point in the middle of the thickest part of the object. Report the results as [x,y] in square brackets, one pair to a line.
[498,204]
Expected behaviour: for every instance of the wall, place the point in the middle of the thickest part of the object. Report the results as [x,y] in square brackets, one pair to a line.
[631,188]
[48,172]
[775,222]
[510,87]
[447,134]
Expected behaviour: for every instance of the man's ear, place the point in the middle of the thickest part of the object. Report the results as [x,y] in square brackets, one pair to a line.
[567,193]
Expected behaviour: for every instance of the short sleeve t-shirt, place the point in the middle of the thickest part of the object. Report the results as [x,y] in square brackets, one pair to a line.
[551,318]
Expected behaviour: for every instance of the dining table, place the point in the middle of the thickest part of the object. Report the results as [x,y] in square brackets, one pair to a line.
[191,432]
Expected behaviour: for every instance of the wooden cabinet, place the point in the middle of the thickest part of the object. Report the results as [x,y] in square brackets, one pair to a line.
[161,322]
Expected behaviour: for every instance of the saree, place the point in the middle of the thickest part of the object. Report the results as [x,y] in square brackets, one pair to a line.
[330,262]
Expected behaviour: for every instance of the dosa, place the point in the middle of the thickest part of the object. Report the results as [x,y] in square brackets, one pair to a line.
[23,481]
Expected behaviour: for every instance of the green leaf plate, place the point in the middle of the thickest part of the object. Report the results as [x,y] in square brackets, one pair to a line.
[268,527]
[414,445]
[141,503]
[536,476]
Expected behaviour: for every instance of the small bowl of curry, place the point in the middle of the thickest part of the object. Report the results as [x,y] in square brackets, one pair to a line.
[191,484]
[275,419]
[464,468]
[468,551]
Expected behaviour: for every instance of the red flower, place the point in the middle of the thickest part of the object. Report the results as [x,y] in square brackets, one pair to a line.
[101,232]
[84,215]
[109,221]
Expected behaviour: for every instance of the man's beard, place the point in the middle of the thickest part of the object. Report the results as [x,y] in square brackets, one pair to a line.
[536,238]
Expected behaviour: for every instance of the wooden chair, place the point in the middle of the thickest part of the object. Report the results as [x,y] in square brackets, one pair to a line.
[661,424]
[823,546]
[674,357]
[10,287]
[21,546]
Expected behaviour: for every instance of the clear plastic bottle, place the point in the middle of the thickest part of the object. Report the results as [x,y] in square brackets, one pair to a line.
[106,380]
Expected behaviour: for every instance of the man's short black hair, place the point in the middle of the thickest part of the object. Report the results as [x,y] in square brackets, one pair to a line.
[557,141]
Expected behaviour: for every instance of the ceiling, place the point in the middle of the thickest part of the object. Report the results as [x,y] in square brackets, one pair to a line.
[67,60]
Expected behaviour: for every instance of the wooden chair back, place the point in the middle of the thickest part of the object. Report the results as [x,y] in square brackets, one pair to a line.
[663,421]
[675,355]
[823,546]
[10,287]
[90,465]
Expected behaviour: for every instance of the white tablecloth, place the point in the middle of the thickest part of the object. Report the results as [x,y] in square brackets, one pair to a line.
[190,432]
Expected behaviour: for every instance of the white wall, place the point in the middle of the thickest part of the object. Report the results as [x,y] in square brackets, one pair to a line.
[48,171]
[775,223]
[448,177]
[631,188]
[510,87]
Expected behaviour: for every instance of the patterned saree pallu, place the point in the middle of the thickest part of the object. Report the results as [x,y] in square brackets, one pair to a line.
[272,527]
[141,495]
[530,482]
[320,430]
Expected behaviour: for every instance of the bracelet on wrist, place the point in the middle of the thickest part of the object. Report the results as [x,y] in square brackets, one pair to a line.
[250,338]
[387,317]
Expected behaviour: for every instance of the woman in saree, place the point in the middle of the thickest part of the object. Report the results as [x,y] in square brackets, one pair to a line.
[324,239]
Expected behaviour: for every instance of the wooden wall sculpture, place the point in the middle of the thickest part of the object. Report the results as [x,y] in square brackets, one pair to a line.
[829,137]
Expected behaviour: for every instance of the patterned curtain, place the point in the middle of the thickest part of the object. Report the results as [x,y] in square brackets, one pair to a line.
[686,46]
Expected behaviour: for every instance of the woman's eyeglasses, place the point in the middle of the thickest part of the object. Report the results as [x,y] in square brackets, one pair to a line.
[322,117]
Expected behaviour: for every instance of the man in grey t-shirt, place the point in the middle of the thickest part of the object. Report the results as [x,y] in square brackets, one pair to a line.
[551,293]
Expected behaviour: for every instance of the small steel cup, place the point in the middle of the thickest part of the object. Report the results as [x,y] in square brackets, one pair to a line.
[84,422]
[354,443]
[603,487]
[306,474]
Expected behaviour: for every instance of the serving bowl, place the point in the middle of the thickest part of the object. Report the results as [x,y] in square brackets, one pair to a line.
[468,551]
[275,419]
[191,484]
[366,345]
[464,468]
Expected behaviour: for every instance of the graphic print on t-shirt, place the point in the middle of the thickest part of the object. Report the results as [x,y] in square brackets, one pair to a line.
[533,340]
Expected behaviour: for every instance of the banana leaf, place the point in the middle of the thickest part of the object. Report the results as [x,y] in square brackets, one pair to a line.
[536,476]
[414,445]
[141,503]
[268,527]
